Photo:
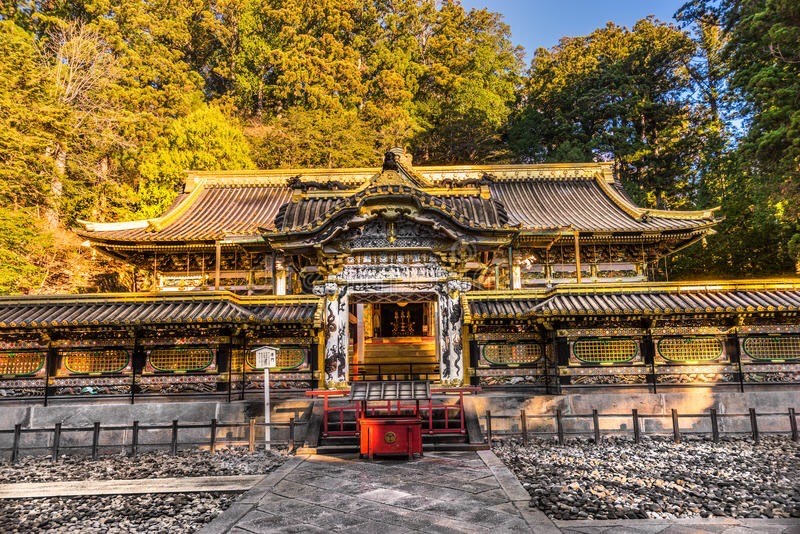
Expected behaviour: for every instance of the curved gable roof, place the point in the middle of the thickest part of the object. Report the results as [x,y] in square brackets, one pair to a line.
[579,197]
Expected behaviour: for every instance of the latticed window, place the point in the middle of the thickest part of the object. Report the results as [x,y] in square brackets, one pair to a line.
[684,349]
[20,362]
[772,347]
[287,358]
[237,360]
[612,350]
[96,361]
[505,354]
[181,359]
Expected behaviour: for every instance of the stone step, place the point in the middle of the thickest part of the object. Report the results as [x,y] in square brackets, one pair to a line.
[393,349]
[401,358]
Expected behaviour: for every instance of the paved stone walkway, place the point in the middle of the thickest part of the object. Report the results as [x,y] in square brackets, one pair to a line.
[458,492]
[442,492]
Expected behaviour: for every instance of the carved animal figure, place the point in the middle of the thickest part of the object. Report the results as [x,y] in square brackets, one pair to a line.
[295,182]
[331,320]
[455,314]
[458,350]
[446,371]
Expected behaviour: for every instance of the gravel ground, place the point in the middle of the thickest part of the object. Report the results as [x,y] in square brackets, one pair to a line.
[174,512]
[115,513]
[659,479]
[157,464]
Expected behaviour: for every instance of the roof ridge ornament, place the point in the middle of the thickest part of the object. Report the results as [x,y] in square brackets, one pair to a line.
[398,169]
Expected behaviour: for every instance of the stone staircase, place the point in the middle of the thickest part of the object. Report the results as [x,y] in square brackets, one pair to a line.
[410,358]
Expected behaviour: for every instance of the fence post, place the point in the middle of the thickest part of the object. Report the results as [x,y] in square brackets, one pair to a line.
[291,433]
[714,426]
[15,446]
[213,441]
[754,424]
[793,424]
[596,426]
[637,432]
[173,444]
[559,427]
[523,425]
[135,439]
[251,434]
[95,439]
[489,427]
[56,440]
[676,429]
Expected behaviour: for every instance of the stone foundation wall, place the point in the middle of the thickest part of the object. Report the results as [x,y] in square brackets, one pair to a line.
[74,415]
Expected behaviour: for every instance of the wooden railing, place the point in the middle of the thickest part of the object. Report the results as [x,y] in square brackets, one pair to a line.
[213,441]
[340,415]
[394,371]
[558,420]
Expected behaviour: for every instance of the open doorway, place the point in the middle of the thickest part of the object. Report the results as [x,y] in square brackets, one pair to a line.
[397,341]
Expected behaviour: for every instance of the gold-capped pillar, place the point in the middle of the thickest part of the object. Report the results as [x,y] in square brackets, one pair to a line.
[280,277]
[578,277]
[335,325]
[217,263]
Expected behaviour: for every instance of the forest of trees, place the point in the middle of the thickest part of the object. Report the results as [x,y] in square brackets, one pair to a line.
[104,103]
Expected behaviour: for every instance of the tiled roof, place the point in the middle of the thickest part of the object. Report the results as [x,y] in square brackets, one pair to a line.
[285,313]
[94,310]
[217,212]
[582,197]
[579,204]
[501,307]
[470,211]
[565,302]
[670,303]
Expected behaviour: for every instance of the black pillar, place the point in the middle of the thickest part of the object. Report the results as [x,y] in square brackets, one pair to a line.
[50,367]
[561,359]
[733,350]
[648,348]
[474,358]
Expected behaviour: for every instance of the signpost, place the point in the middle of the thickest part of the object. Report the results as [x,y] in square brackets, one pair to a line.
[266,357]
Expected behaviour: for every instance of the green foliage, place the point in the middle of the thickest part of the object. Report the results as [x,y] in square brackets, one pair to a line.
[30,121]
[760,62]
[104,104]
[23,247]
[617,93]
[764,62]
[314,138]
[438,78]
[203,140]
[468,88]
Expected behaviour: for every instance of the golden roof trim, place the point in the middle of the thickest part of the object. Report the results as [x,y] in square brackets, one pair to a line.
[434,174]
[640,213]
[159,296]
[770,284]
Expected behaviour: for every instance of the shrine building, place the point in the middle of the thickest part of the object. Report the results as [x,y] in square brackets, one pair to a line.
[535,276]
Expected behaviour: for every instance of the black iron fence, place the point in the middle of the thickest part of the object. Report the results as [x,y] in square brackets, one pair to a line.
[560,426]
[128,437]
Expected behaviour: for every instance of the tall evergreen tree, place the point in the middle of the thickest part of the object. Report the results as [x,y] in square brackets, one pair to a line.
[203,140]
[760,63]
[617,93]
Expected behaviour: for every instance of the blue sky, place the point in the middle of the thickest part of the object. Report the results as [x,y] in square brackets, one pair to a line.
[536,23]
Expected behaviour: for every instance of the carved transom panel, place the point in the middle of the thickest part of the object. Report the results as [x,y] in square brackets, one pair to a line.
[382,234]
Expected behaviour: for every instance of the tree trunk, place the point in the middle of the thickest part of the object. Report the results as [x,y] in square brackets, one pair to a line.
[51,214]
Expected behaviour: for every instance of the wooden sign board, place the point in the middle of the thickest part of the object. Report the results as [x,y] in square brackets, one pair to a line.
[266,357]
